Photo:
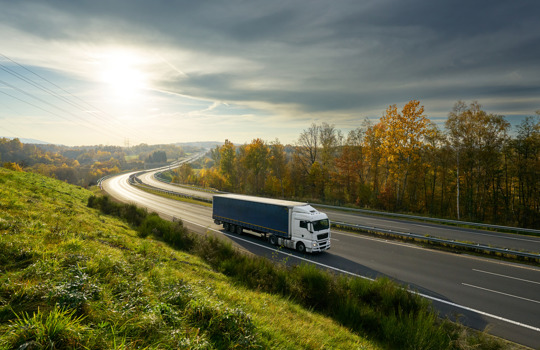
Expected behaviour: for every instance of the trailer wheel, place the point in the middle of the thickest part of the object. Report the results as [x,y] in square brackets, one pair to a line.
[301,247]
[232,228]
[226,226]
[239,230]
[273,240]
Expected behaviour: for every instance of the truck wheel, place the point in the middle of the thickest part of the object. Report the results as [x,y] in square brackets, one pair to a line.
[273,240]
[301,247]
[239,230]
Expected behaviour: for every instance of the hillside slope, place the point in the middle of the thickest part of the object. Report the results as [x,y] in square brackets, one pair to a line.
[71,277]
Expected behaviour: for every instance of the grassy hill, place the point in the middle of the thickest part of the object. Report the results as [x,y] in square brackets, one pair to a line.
[74,278]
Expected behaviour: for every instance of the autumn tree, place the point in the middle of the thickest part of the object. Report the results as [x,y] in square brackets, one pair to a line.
[403,136]
[227,165]
[277,178]
[184,173]
[255,161]
[372,149]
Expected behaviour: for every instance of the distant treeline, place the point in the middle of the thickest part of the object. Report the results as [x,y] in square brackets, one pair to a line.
[84,165]
[472,170]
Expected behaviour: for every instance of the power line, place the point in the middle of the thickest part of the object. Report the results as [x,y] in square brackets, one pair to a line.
[74,101]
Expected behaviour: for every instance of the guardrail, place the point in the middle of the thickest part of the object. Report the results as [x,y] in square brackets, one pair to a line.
[158,176]
[135,181]
[443,242]
[446,221]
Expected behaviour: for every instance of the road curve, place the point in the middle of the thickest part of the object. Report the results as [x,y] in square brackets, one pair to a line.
[503,297]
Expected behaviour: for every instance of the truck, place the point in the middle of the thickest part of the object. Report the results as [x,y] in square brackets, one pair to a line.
[294,225]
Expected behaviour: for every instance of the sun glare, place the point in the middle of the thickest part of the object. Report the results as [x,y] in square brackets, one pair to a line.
[122,73]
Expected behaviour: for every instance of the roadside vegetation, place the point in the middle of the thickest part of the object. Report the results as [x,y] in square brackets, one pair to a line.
[77,277]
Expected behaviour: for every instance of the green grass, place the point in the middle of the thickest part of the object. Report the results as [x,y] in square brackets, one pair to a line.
[73,277]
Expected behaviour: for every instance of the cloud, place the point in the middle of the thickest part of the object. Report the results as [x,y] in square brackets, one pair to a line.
[298,58]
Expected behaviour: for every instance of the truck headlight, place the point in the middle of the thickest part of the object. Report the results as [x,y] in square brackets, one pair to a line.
[314,244]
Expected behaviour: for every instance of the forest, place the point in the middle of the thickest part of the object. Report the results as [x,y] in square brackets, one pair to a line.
[476,169]
[84,165]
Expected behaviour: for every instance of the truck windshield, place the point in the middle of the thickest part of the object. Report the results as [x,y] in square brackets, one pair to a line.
[321,225]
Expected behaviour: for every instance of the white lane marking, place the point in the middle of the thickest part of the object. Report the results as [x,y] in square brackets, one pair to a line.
[537,329]
[497,292]
[514,278]
[480,234]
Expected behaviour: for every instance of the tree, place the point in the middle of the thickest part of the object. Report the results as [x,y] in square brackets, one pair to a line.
[278,167]
[317,144]
[307,147]
[330,140]
[227,158]
[184,173]
[255,161]
[477,137]
[403,137]
[526,167]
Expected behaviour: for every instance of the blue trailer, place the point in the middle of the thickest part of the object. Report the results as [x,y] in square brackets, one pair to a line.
[295,225]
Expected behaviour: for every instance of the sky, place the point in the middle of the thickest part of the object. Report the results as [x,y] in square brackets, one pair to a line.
[121,72]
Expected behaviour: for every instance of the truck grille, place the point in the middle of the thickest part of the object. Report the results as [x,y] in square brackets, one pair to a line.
[323,236]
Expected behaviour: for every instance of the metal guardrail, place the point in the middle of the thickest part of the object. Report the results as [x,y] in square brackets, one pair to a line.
[158,176]
[478,247]
[446,221]
[135,181]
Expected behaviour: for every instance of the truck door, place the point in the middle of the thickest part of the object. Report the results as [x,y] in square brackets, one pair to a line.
[301,228]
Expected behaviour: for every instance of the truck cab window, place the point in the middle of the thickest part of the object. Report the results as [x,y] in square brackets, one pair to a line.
[321,225]
[303,224]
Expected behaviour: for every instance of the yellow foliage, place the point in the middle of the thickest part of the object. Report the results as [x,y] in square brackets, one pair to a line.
[13,166]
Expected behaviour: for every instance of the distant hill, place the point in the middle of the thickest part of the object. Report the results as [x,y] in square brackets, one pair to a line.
[203,144]
[30,141]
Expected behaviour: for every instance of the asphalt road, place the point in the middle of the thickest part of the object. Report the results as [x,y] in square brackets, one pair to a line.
[504,297]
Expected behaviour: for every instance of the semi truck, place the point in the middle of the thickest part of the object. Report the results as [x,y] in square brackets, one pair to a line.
[295,225]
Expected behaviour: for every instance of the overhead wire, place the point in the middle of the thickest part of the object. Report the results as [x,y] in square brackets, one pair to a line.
[74,101]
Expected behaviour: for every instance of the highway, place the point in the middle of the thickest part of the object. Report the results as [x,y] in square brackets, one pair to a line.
[504,297]
[530,244]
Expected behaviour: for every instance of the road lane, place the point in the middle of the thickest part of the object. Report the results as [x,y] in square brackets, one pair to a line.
[510,241]
[436,274]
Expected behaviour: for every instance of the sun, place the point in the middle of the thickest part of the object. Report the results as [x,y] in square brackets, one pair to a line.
[122,73]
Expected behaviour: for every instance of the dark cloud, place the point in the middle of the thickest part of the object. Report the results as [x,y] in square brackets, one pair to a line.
[319,55]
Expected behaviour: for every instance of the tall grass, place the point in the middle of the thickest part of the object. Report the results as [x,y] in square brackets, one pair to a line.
[58,328]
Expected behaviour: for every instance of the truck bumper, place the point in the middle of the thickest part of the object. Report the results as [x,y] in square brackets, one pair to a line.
[320,247]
